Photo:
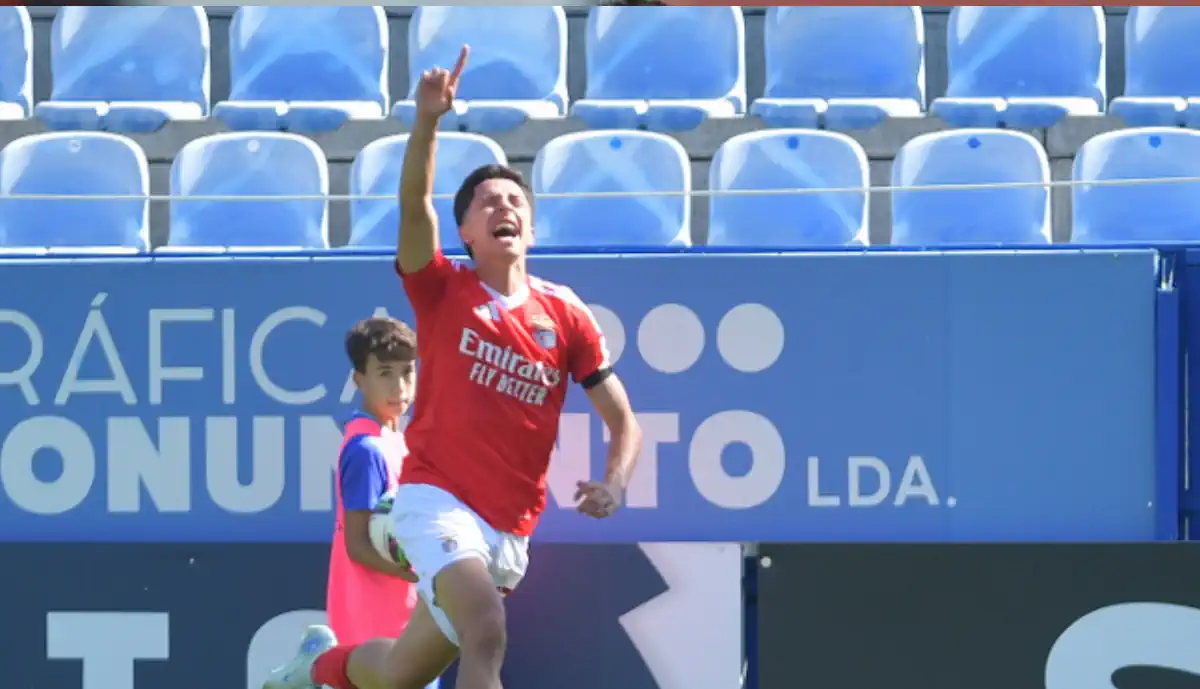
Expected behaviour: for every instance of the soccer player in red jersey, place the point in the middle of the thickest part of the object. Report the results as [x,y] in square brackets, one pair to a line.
[496,347]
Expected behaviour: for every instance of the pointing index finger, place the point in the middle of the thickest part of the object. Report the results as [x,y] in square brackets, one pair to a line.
[461,64]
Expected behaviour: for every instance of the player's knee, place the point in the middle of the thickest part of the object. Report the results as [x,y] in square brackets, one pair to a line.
[484,632]
[467,594]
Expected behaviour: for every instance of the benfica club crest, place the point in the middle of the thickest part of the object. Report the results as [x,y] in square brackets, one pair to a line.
[543,332]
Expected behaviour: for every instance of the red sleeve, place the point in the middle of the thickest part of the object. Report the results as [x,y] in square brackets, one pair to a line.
[426,286]
[588,356]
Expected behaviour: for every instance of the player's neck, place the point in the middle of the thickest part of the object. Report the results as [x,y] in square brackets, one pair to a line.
[385,420]
[504,278]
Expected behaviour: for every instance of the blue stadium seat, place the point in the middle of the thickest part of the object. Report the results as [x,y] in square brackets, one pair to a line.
[256,164]
[127,69]
[75,164]
[376,172]
[842,67]
[306,68]
[16,63]
[1004,216]
[1160,80]
[517,70]
[789,159]
[606,162]
[1138,212]
[1023,67]
[663,68]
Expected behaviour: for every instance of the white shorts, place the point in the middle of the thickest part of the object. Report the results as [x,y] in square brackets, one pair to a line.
[435,529]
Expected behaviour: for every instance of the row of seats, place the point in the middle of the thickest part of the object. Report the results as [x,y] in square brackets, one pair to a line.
[661,68]
[639,185]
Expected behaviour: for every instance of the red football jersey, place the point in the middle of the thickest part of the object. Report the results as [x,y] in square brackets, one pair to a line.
[491,384]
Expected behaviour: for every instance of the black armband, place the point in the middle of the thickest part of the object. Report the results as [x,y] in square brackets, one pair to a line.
[596,378]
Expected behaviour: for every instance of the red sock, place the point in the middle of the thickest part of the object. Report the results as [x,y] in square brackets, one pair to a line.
[330,668]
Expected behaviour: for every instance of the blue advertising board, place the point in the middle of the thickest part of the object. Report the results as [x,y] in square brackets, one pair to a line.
[807,397]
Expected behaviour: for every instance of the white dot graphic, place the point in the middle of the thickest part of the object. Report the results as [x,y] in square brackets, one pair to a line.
[671,338]
[750,338]
[613,330]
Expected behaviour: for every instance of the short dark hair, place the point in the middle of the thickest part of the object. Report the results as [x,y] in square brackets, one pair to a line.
[388,339]
[466,192]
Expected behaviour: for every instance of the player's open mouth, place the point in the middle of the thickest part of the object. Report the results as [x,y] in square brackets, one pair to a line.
[506,231]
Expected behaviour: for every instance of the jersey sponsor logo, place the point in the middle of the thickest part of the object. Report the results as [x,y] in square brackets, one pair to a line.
[508,372]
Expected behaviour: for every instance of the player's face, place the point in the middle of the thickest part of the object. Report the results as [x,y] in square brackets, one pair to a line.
[387,387]
[499,221]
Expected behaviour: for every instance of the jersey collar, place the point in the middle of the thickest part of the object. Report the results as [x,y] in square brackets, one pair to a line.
[508,302]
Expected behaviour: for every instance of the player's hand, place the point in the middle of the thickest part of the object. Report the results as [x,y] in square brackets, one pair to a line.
[597,499]
[436,92]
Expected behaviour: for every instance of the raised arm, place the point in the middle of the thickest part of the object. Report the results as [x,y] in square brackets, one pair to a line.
[418,220]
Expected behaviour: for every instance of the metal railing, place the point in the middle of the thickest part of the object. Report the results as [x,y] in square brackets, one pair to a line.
[702,193]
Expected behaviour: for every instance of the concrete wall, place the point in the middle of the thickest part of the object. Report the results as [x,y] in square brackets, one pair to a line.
[881,143]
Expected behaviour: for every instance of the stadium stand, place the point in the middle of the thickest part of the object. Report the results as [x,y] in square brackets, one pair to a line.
[79,164]
[16,63]
[1114,214]
[1023,67]
[842,67]
[663,68]
[789,159]
[376,172]
[517,70]
[255,164]
[997,216]
[606,162]
[521,145]
[1157,92]
[127,69]
[306,69]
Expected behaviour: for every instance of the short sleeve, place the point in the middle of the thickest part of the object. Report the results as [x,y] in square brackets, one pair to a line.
[589,360]
[362,475]
[426,286]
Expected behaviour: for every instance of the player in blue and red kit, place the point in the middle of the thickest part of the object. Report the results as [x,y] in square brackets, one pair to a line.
[370,596]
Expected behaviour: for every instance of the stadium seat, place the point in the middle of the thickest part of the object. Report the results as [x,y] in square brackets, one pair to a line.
[1023,67]
[376,172]
[842,67]
[1138,212]
[255,164]
[78,164]
[16,63]
[663,68]
[517,70]
[306,68]
[127,69]
[607,162]
[1004,216]
[1159,91]
[789,159]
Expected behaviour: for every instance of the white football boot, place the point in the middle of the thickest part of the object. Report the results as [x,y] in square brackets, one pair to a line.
[296,673]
